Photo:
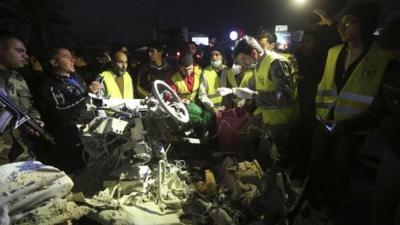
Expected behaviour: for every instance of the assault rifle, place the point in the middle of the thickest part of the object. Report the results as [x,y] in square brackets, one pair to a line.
[13,110]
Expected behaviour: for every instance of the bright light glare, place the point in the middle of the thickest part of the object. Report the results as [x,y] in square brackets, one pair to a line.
[233,35]
[300,2]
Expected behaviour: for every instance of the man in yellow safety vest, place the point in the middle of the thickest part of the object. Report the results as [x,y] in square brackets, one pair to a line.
[186,81]
[276,103]
[212,78]
[352,77]
[117,82]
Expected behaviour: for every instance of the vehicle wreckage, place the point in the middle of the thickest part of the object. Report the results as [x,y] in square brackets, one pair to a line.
[130,177]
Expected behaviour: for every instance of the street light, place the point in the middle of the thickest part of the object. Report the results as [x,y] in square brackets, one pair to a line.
[233,35]
[300,2]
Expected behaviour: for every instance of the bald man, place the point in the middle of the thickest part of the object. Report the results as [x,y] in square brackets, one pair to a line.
[116,82]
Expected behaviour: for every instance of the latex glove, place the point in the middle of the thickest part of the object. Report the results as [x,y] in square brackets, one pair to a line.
[243,93]
[222,91]
[241,103]
[207,102]
[218,109]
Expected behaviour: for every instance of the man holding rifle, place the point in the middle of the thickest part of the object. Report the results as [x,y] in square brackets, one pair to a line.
[14,144]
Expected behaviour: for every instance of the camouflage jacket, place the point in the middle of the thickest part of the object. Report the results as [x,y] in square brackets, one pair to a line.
[17,90]
[15,87]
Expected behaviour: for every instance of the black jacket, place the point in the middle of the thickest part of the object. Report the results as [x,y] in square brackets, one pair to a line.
[65,102]
[148,74]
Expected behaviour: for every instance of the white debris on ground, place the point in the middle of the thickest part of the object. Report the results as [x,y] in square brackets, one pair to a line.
[158,201]
[32,193]
[54,212]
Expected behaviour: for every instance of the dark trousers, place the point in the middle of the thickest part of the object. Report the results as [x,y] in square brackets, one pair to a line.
[67,155]
[268,144]
[386,205]
[303,139]
[331,164]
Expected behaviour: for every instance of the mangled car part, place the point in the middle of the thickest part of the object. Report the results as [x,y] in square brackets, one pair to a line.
[158,200]
[245,195]
[143,187]
[223,197]
[145,119]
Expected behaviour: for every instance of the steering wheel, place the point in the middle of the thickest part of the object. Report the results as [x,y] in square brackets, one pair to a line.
[170,101]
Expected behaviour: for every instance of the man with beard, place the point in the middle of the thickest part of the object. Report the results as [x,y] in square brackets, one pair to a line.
[117,83]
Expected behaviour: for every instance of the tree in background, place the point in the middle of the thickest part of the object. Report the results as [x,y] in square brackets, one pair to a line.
[37,22]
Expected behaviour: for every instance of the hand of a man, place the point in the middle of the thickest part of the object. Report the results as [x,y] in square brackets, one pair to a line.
[218,108]
[185,101]
[36,65]
[33,132]
[95,87]
[325,18]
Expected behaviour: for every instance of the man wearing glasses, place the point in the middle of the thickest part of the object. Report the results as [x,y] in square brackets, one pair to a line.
[352,76]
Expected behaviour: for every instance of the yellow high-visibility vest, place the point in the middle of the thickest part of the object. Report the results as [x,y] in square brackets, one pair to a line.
[212,83]
[248,74]
[360,88]
[112,88]
[182,89]
[275,115]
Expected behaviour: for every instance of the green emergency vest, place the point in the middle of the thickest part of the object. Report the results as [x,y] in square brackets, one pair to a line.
[275,115]
[360,88]
[112,88]
[181,87]
[212,83]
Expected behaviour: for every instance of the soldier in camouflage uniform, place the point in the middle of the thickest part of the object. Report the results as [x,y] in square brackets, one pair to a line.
[13,56]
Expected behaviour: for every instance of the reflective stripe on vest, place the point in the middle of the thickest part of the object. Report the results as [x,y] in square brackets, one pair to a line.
[212,82]
[274,115]
[181,87]
[248,74]
[112,88]
[359,90]
[356,97]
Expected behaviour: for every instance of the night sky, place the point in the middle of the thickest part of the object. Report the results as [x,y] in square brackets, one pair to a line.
[132,21]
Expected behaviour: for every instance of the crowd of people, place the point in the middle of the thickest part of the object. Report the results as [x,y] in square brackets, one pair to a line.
[316,112]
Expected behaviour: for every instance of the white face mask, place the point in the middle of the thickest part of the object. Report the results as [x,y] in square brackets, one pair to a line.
[216,64]
[236,69]
[253,65]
